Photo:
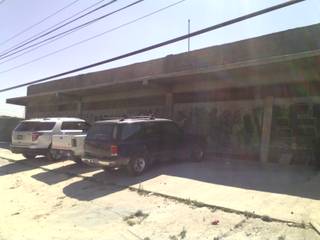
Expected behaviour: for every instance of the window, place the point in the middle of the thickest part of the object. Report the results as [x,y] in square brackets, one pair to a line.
[170,130]
[153,129]
[75,126]
[35,126]
[131,131]
[101,131]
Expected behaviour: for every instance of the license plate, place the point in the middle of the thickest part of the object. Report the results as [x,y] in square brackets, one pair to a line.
[93,161]
[19,137]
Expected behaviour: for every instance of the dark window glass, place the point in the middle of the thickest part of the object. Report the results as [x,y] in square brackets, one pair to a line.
[75,126]
[35,126]
[131,131]
[170,130]
[101,131]
[153,129]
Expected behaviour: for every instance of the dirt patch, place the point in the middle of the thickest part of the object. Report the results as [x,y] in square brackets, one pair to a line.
[118,213]
[39,216]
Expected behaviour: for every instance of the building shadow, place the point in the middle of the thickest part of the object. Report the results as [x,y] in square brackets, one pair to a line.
[23,165]
[63,173]
[299,181]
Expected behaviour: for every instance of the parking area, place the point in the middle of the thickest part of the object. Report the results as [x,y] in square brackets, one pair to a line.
[213,199]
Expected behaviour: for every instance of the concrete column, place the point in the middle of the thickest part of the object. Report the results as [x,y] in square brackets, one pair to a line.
[266,129]
[27,112]
[169,105]
[79,108]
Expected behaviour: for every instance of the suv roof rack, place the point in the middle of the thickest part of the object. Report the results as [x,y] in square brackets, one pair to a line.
[110,118]
[122,118]
[151,117]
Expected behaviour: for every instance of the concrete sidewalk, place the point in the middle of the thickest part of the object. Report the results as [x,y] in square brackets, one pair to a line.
[288,193]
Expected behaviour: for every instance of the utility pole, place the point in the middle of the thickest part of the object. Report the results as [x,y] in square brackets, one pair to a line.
[188,33]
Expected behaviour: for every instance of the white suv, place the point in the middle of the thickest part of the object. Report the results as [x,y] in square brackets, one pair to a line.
[34,137]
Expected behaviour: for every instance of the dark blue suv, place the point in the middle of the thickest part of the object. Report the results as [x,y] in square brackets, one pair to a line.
[137,142]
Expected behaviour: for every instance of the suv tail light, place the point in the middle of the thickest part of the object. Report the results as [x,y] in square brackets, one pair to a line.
[114,150]
[35,136]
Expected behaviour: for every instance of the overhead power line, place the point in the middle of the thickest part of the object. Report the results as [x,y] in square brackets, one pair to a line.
[85,40]
[74,29]
[57,24]
[37,23]
[9,53]
[158,45]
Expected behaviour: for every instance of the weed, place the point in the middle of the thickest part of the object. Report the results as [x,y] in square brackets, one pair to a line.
[248,214]
[139,213]
[173,237]
[266,218]
[135,218]
[183,233]
[130,222]
[141,190]
[240,224]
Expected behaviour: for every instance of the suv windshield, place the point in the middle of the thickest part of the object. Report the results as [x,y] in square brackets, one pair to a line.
[101,131]
[35,126]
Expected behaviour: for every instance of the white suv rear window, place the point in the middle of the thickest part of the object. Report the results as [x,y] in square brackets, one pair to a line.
[35,126]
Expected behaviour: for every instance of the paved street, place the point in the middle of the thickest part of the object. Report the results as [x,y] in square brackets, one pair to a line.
[209,200]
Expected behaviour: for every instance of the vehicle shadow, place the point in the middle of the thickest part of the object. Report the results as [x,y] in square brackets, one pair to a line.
[23,165]
[85,190]
[299,181]
[104,183]
[5,145]
[63,173]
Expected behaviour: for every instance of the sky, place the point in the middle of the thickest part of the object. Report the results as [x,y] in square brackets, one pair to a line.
[18,15]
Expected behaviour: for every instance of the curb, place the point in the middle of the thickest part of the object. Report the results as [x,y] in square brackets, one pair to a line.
[315,226]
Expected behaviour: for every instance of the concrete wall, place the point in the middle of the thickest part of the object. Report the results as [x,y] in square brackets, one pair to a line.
[243,113]
[231,121]
[7,124]
[277,44]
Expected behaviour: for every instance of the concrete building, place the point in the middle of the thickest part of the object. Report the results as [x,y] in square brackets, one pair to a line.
[253,99]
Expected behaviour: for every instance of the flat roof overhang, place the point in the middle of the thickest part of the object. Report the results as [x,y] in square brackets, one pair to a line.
[227,72]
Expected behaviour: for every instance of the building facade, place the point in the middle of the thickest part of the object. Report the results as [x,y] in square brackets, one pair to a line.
[254,99]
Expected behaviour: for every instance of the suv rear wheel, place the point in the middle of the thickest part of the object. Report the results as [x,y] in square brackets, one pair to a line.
[53,155]
[137,165]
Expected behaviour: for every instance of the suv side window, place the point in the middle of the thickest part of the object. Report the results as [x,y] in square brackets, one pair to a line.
[83,126]
[101,131]
[152,130]
[171,130]
[131,131]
